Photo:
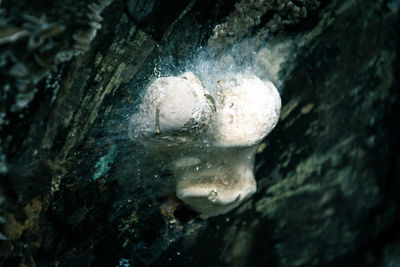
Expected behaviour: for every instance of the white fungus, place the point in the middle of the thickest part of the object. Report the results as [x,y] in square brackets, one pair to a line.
[172,103]
[214,171]
[248,109]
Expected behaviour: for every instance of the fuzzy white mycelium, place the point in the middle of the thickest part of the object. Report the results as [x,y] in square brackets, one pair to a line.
[208,141]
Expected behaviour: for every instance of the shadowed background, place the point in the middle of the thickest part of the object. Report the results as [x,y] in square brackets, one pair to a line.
[76,191]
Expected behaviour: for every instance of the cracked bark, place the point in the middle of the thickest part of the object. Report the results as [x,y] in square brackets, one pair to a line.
[327,177]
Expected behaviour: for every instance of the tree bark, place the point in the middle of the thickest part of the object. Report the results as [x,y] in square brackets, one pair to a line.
[75,190]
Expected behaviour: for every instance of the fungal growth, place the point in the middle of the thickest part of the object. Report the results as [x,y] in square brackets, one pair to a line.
[207,139]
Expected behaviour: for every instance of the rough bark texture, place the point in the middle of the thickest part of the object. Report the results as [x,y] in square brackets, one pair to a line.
[328,175]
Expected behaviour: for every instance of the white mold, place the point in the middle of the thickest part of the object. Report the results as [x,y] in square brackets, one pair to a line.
[209,142]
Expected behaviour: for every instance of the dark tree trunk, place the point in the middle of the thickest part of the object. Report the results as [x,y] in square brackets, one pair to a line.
[76,192]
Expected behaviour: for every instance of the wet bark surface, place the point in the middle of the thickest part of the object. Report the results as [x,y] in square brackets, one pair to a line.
[327,176]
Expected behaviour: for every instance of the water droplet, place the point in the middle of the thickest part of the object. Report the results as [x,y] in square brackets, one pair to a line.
[212,196]
[197,168]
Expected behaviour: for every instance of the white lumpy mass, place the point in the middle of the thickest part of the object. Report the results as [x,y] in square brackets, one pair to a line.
[214,171]
[171,103]
[248,109]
